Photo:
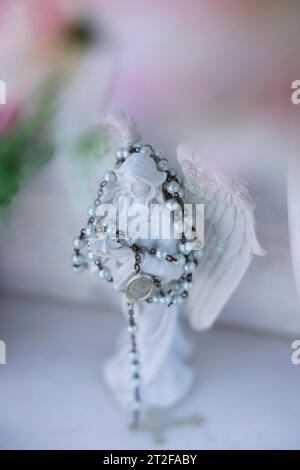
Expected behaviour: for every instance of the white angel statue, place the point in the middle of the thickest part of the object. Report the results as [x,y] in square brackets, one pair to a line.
[229,245]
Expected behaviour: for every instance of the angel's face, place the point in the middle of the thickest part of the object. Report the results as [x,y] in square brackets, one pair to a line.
[139,176]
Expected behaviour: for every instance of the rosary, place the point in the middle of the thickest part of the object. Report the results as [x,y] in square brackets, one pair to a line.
[142,286]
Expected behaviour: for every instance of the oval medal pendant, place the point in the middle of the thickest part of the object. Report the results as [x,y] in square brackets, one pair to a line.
[139,287]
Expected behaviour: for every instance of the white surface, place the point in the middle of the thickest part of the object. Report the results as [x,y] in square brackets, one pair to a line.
[52,394]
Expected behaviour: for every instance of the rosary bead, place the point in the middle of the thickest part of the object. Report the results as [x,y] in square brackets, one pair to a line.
[135,379]
[161,254]
[183,248]
[173,187]
[79,243]
[172,171]
[78,259]
[104,272]
[119,154]
[187,285]
[163,165]
[110,177]
[167,299]
[125,153]
[133,355]
[173,205]
[190,267]
[180,260]
[133,329]
[177,299]
[80,268]
[92,211]
[90,230]
[103,184]
[198,254]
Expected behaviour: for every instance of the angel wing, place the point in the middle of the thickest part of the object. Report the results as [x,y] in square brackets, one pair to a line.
[230,238]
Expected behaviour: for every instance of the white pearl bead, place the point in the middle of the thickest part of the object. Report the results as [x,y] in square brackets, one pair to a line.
[161,254]
[190,267]
[187,285]
[180,260]
[79,269]
[173,205]
[110,177]
[162,165]
[104,272]
[119,154]
[91,255]
[133,355]
[125,153]
[183,248]
[90,230]
[135,380]
[135,367]
[78,259]
[132,329]
[198,254]
[177,299]
[173,187]
[145,150]
[167,299]
[92,211]
[79,243]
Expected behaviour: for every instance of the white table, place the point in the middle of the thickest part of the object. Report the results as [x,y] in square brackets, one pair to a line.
[52,394]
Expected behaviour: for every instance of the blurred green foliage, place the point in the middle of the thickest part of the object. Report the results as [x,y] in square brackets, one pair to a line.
[25,148]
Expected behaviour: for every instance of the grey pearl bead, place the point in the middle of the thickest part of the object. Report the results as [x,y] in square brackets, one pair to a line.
[91,255]
[167,299]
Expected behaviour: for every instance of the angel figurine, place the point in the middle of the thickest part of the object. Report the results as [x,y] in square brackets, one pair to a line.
[155,276]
